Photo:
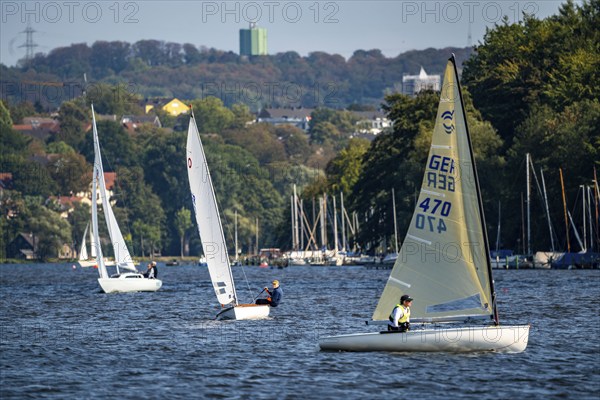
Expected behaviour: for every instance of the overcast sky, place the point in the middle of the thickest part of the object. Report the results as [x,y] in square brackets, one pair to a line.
[303,26]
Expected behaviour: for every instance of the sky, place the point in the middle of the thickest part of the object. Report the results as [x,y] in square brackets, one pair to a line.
[337,27]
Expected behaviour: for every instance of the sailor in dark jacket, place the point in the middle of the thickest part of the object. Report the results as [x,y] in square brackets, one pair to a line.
[275,295]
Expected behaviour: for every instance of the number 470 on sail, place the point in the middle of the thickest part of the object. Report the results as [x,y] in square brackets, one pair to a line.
[433,223]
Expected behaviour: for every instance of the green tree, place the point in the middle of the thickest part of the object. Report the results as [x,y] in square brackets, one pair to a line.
[183,222]
[211,115]
[118,99]
[71,173]
[345,169]
[140,205]
[59,148]
[50,231]
[72,116]
[79,219]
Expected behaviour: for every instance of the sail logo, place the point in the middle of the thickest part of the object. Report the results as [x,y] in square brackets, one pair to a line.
[448,123]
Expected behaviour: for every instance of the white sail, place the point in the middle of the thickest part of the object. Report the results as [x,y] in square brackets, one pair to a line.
[122,256]
[208,219]
[95,234]
[444,260]
[83,254]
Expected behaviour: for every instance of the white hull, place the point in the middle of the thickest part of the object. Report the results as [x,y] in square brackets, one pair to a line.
[245,311]
[504,339]
[92,262]
[129,282]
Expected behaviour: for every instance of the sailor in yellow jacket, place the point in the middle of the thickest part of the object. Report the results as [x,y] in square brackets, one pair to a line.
[400,316]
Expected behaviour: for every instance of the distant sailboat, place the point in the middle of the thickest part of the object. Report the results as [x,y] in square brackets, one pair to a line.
[89,259]
[132,281]
[84,259]
[211,232]
[444,261]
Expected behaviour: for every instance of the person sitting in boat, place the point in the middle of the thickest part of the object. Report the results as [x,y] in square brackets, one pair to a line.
[274,295]
[152,272]
[400,316]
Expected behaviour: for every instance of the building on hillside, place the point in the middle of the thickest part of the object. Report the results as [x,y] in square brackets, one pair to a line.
[133,122]
[371,122]
[298,117]
[22,247]
[66,204]
[253,41]
[413,84]
[40,128]
[109,179]
[173,106]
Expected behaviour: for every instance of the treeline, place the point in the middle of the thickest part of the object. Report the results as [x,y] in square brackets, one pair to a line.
[154,68]
[531,88]
[253,168]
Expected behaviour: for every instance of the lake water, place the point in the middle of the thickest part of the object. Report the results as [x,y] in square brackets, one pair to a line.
[60,337]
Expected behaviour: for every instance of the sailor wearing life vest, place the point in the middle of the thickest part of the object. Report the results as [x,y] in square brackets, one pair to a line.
[400,316]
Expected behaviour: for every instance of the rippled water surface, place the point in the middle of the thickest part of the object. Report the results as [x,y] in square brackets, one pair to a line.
[60,337]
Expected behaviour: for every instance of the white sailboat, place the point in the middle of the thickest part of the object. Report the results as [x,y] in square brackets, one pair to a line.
[211,233]
[444,261]
[131,281]
[89,259]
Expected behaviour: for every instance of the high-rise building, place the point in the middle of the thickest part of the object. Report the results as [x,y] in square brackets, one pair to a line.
[253,41]
[413,84]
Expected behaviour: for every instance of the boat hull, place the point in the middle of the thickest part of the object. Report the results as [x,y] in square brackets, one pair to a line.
[504,339]
[129,282]
[245,311]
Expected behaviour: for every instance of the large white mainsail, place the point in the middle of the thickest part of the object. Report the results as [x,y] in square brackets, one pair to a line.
[122,256]
[444,260]
[208,219]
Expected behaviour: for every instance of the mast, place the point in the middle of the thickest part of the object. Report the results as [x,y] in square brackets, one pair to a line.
[528,160]
[562,185]
[236,236]
[589,210]
[301,224]
[522,225]
[596,199]
[547,210]
[343,221]
[479,201]
[584,248]
[292,221]
[395,220]
[498,232]
[335,234]
[257,251]
[295,224]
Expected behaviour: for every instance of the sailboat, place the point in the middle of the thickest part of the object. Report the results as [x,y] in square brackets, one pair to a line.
[89,259]
[131,281]
[444,261]
[211,233]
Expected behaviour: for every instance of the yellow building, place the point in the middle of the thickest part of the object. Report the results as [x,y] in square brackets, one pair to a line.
[173,107]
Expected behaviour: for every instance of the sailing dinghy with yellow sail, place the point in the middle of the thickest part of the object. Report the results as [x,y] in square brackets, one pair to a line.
[444,262]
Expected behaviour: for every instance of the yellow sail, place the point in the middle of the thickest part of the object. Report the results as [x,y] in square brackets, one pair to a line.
[444,261]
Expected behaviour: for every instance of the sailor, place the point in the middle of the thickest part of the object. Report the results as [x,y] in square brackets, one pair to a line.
[152,272]
[400,316]
[275,295]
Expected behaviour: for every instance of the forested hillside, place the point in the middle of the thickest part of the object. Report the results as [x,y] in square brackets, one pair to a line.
[153,68]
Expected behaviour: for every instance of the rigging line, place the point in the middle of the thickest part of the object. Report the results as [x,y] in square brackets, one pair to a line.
[123,200]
